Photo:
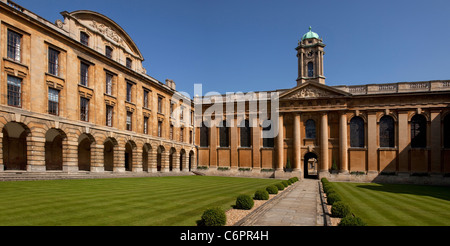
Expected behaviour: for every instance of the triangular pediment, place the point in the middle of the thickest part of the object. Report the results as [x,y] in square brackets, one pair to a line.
[312,90]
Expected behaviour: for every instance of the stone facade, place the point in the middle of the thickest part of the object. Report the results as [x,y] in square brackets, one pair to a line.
[377,132]
[58,82]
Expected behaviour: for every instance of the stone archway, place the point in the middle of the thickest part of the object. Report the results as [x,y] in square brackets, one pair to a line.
[182,159]
[130,147]
[310,165]
[84,151]
[14,147]
[191,159]
[108,153]
[159,160]
[53,149]
[146,150]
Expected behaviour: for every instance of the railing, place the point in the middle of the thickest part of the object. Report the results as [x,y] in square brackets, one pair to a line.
[15,6]
[402,87]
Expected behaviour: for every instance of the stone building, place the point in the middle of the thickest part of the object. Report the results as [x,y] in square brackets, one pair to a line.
[75,97]
[391,132]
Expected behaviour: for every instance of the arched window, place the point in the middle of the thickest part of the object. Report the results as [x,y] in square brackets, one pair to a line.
[357,132]
[447,131]
[224,135]
[387,132]
[204,135]
[310,69]
[268,141]
[310,129]
[245,133]
[418,131]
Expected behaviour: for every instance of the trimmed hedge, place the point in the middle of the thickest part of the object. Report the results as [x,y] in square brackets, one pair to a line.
[213,217]
[340,210]
[272,189]
[285,183]
[332,198]
[244,202]
[261,195]
[280,186]
[352,221]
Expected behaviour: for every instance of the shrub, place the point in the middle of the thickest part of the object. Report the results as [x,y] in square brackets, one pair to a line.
[327,188]
[285,183]
[351,221]
[332,198]
[272,189]
[244,202]
[289,181]
[213,217]
[324,180]
[340,210]
[279,186]
[293,179]
[261,195]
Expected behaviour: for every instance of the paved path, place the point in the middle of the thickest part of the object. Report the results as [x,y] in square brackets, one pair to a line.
[300,205]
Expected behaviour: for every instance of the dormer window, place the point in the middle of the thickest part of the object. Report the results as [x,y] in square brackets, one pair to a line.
[108,52]
[128,63]
[84,38]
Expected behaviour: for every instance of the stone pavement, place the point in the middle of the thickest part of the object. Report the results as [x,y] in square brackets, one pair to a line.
[299,205]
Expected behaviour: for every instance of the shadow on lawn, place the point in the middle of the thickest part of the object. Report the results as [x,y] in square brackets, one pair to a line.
[440,192]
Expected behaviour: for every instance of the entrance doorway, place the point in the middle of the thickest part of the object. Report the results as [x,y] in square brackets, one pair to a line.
[310,166]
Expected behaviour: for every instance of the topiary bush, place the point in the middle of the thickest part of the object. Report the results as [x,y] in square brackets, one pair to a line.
[280,186]
[244,202]
[340,210]
[332,198]
[285,183]
[272,189]
[352,221]
[261,195]
[213,217]
[324,180]
[289,181]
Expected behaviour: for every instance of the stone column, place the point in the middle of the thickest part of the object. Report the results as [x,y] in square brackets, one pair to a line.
[234,138]
[176,162]
[70,155]
[184,162]
[256,143]
[97,158]
[36,154]
[213,145]
[403,141]
[137,160]
[280,144]
[165,161]
[2,166]
[324,143]
[152,160]
[372,153]
[297,143]
[435,136]
[343,147]
[119,159]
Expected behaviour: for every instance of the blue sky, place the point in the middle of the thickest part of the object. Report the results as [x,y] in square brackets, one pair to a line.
[249,45]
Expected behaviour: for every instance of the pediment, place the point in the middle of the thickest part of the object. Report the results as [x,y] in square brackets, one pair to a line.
[312,90]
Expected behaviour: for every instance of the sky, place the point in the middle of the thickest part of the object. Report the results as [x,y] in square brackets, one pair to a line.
[249,45]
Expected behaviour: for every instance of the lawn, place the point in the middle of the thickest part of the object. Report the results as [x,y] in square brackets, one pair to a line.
[153,201]
[397,204]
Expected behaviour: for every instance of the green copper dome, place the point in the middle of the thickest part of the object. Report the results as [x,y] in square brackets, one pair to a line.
[310,34]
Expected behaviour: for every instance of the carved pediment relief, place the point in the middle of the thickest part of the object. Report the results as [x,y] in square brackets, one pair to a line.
[106,31]
[312,91]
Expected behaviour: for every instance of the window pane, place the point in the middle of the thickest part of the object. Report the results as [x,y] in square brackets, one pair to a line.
[145,125]
[84,74]
[14,45]
[245,133]
[53,61]
[267,141]
[109,78]
[310,69]
[109,114]
[84,38]
[224,135]
[145,99]
[108,52]
[310,129]
[84,109]
[128,64]
[357,132]
[129,117]
[14,91]
[418,131]
[53,101]
[204,135]
[387,132]
[129,86]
